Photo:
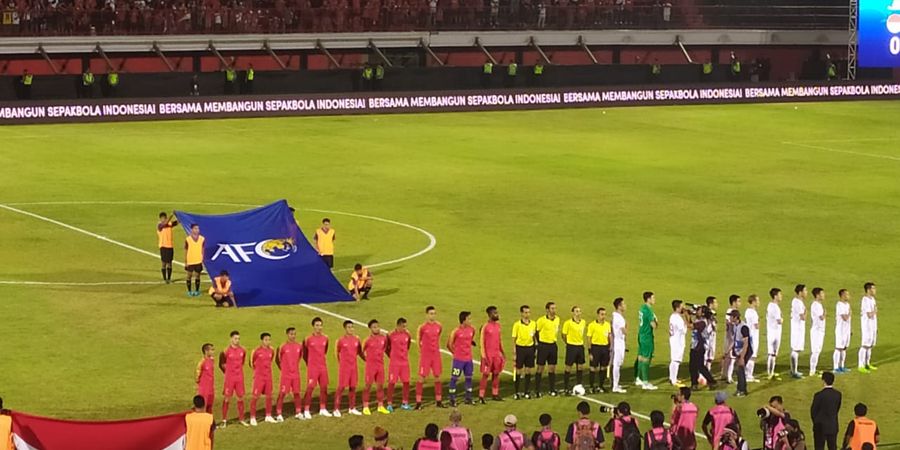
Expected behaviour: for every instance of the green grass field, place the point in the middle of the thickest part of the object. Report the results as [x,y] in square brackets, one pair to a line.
[579,206]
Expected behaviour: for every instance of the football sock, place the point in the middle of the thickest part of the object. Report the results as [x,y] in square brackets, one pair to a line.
[527,382]
[539,375]
[482,385]
[592,376]
[813,362]
[602,374]
[552,380]
[770,365]
[163,274]
[268,405]
[795,362]
[566,376]
[405,393]
[225,409]
[578,376]
[419,388]
[188,281]
[437,391]
[516,384]
[836,359]
[495,384]
[197,284]
[673,372]
[169,273]
[240,407]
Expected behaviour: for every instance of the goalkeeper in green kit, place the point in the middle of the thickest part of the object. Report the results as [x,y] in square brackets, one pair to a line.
[647,323]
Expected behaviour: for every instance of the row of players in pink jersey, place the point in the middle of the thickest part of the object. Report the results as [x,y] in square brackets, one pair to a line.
[350,349]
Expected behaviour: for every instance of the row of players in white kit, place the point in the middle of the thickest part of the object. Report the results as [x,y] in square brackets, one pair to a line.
[868,323]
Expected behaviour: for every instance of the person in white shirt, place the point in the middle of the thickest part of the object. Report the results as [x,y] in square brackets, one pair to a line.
[817,329]
[619,330]
[711,326]
[677,333]
[868,319]
[773,331]
[842,328]
[798,328]
[751,318]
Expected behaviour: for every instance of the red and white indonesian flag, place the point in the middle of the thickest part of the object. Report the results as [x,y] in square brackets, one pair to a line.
[153,433]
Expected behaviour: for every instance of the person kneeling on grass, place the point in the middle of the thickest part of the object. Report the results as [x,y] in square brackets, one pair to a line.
[360,282]
[221,292]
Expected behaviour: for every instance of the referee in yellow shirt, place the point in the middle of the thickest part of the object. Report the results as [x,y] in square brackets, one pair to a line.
[573,334]
[599,332]
[547,330]
[523,332]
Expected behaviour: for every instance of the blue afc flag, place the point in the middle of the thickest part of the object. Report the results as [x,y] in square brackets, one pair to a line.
[267,257]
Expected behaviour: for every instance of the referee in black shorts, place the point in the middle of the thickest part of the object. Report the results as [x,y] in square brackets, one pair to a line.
[547,331]
[523,332]
[598,333]
[573,335]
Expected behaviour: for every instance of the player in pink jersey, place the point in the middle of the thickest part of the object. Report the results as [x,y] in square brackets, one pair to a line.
[206,376]
[261,363]
[429,336]
[492,356]
[231,363]
[348,349]
[399,342]
[314,350]
[375,347]
[288,360]
[460,344]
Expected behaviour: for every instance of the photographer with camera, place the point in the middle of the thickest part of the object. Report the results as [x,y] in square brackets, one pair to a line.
[699,341]
[659,437]
[792,437]
[772,421]
[731,439]
[626,435]
[718,418]
[684,419]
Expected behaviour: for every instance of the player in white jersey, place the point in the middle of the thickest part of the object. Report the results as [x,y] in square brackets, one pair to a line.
[842,327]
[817,328]
[711,326]
[868,319]
[677,333]
[751,318]
[773,331]
[619,331]
[798,328]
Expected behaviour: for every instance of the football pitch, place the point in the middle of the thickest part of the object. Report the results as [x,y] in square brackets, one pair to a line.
[511,208]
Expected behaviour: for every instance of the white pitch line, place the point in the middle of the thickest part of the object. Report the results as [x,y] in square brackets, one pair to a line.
[308,306]
[835,150]
[63,283]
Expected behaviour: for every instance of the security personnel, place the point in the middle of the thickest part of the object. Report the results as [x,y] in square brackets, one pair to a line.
[248,80]
[707,70]
[379,76]
[367,74]
[735,68]
[26,81]
[230,76]
[87,84]
[537,74]
[831,70]
[112,83]
[199,426]
[511,72]
[655,71]
[487,71]
[861,430]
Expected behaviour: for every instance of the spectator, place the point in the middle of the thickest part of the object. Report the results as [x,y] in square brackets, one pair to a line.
[487,441]
[731,439]
[510,438]
[199,426]
[462,436]
[380,435]
[542,15]
[861,430]
[824,411]
[792,438]
[584,433]
[717,418]
[195,86]
[356,442]
[431,439]
[684,420]
[447,441]
[666,14]
[546,438]
[626,435]
[658,438]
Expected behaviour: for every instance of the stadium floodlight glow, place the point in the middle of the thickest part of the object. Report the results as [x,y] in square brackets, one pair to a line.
[879,33]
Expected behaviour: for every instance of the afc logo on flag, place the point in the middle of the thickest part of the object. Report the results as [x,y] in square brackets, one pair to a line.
[272,249]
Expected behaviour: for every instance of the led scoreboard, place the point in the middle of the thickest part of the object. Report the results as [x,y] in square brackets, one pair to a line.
[879,33]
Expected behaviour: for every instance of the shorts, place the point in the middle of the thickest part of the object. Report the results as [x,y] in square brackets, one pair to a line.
[348,377]
[493,365]
[574,354]
[224,301]
[816,341]
[868,338]
[547,354]
[209,396]
[645,348]
[262,387]
[198,268]
[524,357]
[754,343]
[798,340]
[167,254]
[328,260]
[290,384]
[375,374]
[317,376]
[599,355]
[676,350]
[398,372]
[842,340]
[430,364]
[464,368]
[233,386]
[773,345]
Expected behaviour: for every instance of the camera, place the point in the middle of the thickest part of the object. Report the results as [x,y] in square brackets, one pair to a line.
[606,409]
[763,413]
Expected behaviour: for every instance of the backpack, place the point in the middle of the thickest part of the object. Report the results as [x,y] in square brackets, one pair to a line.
[654,444]
[542,442]
[631,436]
[584,436]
